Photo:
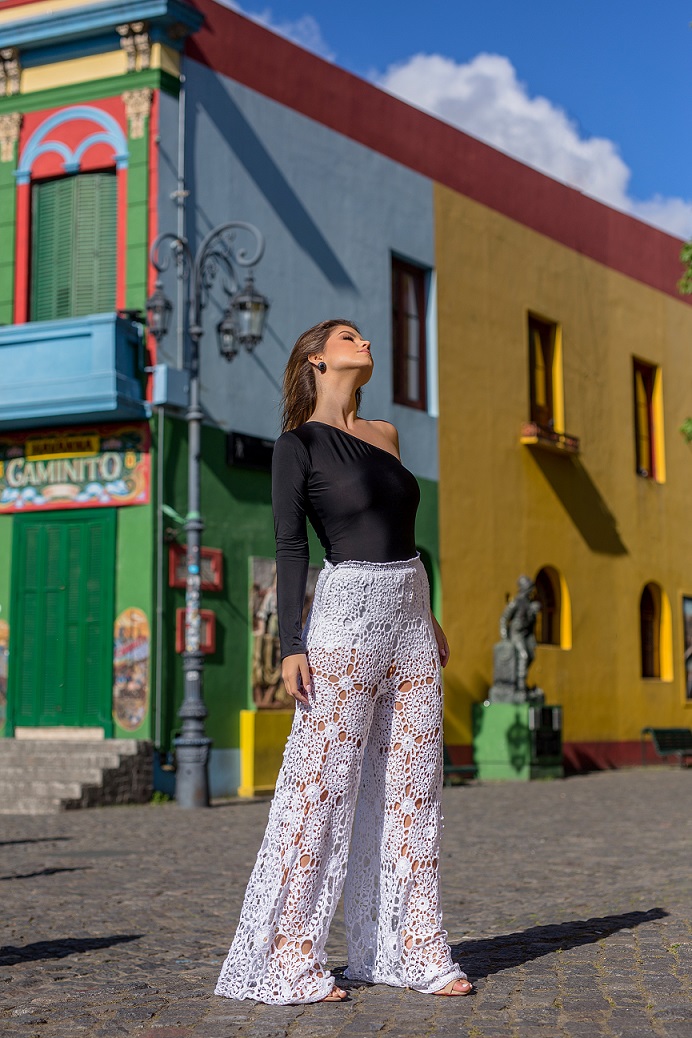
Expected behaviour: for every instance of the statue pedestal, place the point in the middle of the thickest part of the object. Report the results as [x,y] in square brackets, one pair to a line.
[517,741]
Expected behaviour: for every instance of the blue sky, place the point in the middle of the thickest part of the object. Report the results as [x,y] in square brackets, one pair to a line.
[595,93]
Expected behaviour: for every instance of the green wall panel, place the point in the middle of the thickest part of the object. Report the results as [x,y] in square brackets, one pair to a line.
[8,204]
[5,582]
[236,506]
[427,539]
[137,221]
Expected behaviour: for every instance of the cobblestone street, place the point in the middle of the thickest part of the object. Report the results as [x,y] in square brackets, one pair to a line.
[569,903]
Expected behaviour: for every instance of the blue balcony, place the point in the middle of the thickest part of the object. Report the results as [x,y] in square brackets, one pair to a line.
[81,369]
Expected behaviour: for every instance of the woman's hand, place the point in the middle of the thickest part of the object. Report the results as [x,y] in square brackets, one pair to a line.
[296,676]
[442,644]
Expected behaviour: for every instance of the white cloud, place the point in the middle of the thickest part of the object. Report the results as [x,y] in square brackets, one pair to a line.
[485,98]
[305,31]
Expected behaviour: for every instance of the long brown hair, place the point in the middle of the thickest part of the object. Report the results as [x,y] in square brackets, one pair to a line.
[300,391]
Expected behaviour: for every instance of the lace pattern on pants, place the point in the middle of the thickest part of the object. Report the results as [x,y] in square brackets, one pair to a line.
[362,769]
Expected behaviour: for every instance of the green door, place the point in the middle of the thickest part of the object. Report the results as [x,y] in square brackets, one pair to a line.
[61,651]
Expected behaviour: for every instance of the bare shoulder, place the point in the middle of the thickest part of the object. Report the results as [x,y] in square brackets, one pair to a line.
[387,430]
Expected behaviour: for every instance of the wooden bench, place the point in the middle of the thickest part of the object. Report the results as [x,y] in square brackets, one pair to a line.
[467,771]
[669,742]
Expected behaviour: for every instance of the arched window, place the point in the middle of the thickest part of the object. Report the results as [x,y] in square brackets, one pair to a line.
[655,630]
[554,622]
[649,613]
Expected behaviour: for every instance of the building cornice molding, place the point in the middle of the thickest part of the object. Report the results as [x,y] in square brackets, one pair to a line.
[169,21]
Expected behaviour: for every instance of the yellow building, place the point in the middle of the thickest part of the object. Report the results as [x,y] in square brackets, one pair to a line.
[565,375]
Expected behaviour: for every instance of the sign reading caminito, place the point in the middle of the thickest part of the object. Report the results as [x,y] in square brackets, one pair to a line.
[105,466]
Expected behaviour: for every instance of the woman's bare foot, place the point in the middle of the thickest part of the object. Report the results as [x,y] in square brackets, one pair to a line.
[335,995]
[455,988]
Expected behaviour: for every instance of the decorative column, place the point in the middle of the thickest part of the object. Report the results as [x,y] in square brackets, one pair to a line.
[138,108]
[10,125]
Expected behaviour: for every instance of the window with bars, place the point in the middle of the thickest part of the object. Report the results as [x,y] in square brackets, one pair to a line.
[408,334]
[73,246]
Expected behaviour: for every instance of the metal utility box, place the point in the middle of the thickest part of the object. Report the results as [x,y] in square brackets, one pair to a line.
[517,741]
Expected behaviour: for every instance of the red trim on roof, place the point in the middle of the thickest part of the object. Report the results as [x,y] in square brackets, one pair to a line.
[284,72]
[15,3]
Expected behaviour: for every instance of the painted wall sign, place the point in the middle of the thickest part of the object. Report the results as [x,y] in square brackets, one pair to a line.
[105,466]
[130,669]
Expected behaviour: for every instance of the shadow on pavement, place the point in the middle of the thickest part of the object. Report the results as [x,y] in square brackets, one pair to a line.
[10,955]
[34,839]
[44,872]
[492,954]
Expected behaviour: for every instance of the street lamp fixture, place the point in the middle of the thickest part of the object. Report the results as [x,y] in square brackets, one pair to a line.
[242,324]
[250,310]
[159,310]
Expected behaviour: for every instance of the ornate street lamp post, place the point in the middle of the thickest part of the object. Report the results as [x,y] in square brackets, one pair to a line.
[242,324]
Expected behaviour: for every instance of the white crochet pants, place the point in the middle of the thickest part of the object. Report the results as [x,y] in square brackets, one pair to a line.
[362,766]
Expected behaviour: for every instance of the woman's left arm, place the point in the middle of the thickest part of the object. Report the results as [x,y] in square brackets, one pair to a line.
[442,644]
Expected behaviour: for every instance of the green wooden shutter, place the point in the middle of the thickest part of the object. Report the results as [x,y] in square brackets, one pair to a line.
[73,246]
[94,251]
[51,250]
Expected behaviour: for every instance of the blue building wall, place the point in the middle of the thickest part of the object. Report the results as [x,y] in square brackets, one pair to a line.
[332,212]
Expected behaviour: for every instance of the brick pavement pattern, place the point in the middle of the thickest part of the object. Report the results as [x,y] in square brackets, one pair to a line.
[569,903]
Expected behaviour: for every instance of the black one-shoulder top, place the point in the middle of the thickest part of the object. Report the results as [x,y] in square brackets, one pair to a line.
[359,498]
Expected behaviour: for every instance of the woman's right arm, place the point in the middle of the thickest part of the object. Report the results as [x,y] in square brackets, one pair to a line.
[289,498]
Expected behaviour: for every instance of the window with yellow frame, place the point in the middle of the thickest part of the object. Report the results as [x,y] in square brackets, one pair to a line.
[656,634]
[648,420]
[546,394]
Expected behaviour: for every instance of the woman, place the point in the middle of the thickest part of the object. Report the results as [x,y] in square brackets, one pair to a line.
[363,761]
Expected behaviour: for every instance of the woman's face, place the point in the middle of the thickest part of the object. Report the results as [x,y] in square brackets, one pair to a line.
[346,349]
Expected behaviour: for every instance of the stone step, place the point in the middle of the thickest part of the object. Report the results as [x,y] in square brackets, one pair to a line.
[36,787]
[58,761]
[43,776]
[64,771]
[28,805]
[39,747]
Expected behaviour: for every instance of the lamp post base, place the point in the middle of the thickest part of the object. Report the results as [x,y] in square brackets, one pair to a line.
[192,774]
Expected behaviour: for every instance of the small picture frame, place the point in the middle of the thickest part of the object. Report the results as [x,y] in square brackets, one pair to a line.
[211,565]
[207,634]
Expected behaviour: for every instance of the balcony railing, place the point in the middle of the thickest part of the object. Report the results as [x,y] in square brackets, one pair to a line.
[534,435]
[79,369]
